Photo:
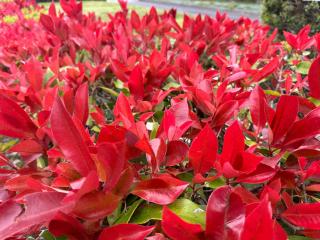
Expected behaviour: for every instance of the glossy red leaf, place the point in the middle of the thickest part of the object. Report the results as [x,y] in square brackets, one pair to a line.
[40,208]
[14,121]
[284,117]
[314,78]
[161,190]
[126,231]
[258,107]
[68,226]
[306,215]
[69,139]
[136,84]
[9,211]
[123,112]
[96,205]
[112,157]
[123,186]
[178,229]
[225,215]
[81,104]
[176,121]
[233,143]
[305,128]
[34,72]
[268,69]
[203,150]
[234,160]
[259,222]
[176,152]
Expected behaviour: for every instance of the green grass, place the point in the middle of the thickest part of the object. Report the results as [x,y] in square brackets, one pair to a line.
[102,8]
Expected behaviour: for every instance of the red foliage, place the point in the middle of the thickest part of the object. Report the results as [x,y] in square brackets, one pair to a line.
[142,128]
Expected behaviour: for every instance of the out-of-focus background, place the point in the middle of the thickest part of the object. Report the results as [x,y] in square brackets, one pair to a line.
[290,15]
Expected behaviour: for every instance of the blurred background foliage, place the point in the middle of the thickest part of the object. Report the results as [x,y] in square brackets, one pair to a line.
[291,15]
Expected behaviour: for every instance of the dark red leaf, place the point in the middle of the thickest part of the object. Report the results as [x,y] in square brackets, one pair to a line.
[112,157]
[161,190]
[258,107]
[126,231]
[284,117]
[14,121]
[225,215]
[81,104]
[306,215]
[69,139]
[40,208]
[259,223]
[203,150]
[68,226]
[178,229]
[96,205]
[314,78]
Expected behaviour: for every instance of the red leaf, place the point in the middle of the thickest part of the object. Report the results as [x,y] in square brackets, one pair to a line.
[203,150]
[161,190]
[14,121]
[306,215]
[136,83]
[259,223]
[225,215]
[112,157]
[81,104]
[258,107]
[40,208]
[9,211]
[176,121]
[126,231]
[27,146]
[305,128]
[34,74]
[96,205]
[266,70]
[69,139]
[68,226]
[224,112]
[291,39]
[123,112]
[178,229]
[233,143]
[123,186]
[284,116]
[72,8]
[83,186]
[159,149]
[176,152]
[314,78]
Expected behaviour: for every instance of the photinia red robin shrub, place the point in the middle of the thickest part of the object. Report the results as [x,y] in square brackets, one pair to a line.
[139,127]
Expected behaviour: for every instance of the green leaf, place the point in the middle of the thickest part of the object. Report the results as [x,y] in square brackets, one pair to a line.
[118,84]
[298,238]
[154,130]
[303,67]
[186,176]
[216,183]
[171,85]
[146,213]
[46,235]
[189,211]
[126,216]
[115,215]
[184,208]
[272,93]
[110,91]
[314,101]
